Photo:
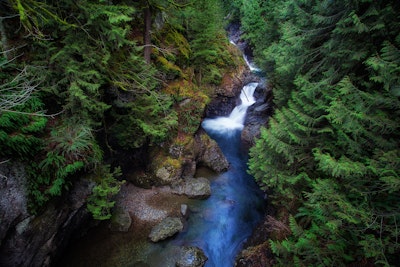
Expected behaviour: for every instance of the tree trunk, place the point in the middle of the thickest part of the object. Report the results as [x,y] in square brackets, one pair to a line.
[147,34]
[4,47]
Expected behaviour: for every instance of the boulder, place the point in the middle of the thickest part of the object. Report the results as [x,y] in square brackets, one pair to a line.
[166,228]
[165,169]
[184,210]
[191,257]
[196,188]
[209,153]
[181,158]
[120,220]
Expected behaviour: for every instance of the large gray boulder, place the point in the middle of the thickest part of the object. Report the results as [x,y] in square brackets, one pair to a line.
[191,257]
[209,153]
[166,228]
[196,188]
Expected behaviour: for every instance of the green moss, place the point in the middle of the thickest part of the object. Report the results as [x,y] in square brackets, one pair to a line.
[170,68]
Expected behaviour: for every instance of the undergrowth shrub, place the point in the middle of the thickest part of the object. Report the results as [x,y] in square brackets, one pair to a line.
[107,186]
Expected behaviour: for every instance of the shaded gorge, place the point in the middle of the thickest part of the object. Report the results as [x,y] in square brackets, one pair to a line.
[217,225]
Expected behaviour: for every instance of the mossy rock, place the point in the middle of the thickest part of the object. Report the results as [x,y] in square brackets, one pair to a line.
[120,221]
[191,257]
[166,228]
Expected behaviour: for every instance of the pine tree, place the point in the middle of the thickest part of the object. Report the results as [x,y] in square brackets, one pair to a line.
[325,154]
[207,41]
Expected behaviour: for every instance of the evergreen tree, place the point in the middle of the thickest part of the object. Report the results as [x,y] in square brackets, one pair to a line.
[207,40]
[325,155]
[88,65]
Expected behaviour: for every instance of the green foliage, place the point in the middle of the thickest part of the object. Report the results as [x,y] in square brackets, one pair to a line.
[191,101]
[147,120]
[330,153]
[174,53]
[93,78]
[71,148]
[34,14]
[100,201]
[21,118]
[75,142]
[207,40]
[21,130]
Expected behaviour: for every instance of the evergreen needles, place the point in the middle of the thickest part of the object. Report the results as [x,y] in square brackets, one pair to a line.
[325,153]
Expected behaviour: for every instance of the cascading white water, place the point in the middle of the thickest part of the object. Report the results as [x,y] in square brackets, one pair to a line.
[235,121]
[251,66]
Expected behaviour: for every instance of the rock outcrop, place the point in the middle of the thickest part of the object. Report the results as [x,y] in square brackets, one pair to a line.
[257,115]
[225,98]
[36,240]
[13,202]
[169,165]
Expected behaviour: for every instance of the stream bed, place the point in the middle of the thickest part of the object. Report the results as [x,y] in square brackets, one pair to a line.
[218,225]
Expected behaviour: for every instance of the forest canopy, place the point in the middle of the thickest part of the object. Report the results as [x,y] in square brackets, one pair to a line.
[329,157]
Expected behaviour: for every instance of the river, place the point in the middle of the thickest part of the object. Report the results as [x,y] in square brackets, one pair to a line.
[220,224]
[229,216]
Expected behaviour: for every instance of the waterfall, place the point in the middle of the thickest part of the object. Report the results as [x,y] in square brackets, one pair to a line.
[235,121]
[227,218]
[251,66]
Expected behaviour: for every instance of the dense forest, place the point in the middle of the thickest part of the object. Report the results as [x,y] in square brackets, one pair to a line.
[330,156]
[84,81]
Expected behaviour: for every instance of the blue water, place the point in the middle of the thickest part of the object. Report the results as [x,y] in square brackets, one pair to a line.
[221,224]
[225,220]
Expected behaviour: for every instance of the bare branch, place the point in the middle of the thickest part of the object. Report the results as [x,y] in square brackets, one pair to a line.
[38,113]
[17,91]
[164,51]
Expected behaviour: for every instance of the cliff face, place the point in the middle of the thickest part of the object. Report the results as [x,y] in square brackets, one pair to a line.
[13,202]
[35,240]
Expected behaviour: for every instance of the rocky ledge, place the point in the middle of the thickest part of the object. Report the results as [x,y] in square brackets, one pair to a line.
[35,240]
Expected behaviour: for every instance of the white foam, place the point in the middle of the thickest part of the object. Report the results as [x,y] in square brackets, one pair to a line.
[235,121]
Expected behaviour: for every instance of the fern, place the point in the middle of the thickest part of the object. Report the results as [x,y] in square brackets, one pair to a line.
[294,227]
[276,248]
